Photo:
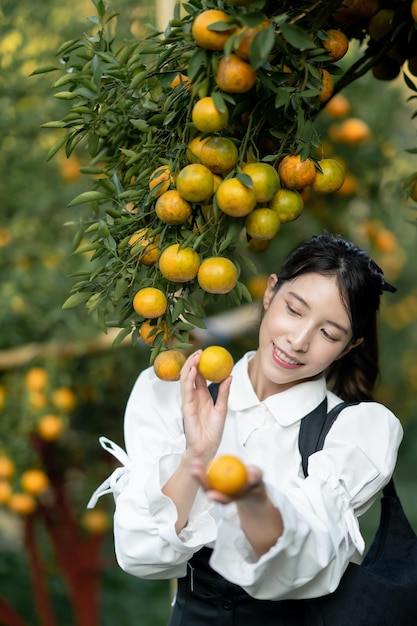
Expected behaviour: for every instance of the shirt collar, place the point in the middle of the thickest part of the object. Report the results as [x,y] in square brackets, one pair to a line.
[287,407]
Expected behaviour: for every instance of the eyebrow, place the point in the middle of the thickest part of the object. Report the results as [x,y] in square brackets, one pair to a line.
[304,303]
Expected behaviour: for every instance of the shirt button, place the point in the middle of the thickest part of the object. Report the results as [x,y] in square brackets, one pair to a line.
[227,604]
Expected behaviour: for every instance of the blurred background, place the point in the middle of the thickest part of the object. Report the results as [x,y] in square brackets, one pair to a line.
[62,384]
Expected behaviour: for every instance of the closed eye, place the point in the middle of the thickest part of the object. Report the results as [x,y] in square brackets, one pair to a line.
[328,336]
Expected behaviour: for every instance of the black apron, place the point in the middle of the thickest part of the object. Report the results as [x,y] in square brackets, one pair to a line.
[204,598]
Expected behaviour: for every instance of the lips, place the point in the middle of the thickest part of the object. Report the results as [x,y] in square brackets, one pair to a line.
[284,360]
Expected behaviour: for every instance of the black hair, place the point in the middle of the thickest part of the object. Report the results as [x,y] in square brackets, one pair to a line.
[353,377]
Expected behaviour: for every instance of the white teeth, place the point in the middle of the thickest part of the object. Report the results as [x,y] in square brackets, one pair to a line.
[285,358]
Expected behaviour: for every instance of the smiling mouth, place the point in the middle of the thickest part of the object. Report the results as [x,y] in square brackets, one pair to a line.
[282,356]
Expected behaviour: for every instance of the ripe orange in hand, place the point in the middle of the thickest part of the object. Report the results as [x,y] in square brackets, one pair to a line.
[172,209]
[265,180]
[330,179]
[150,302]
[234,198]
[168,364]
[207,38]
[227,474]
[179,265]
[195,183]
[296,173]
[206,116]
[216,363]
[217,275]
[235,75]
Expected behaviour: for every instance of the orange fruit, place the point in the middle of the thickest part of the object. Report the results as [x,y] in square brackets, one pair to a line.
[95,522]
[336,44]
[34,481]
[50,427]
[160,180]
[7,468]
[288,204]
[150,302]
[234,198]
[172,209]
[149,332]
[234,75]
[327,85]
[194,149]
[180,79]
[217,275]
[143,246]
[330,179]
[262,223]
[64,399]
[227,474]
[295,173]
[245,37]
[337,106]
[206,116]
[414,10]
[256,286]
[5,491]
[258,245]
[195,183]
[351,131]
[37,399]
[216,363]
[168,364]
[36,379]
[202,33]
[265,180]
[219,154]
[22,503]
[380,24]
[349,187]
[178,264]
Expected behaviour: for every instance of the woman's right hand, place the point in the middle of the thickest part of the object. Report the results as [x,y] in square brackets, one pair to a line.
[203,420]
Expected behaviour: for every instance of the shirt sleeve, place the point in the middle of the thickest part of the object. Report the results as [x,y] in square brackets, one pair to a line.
[146,542]
[321,531]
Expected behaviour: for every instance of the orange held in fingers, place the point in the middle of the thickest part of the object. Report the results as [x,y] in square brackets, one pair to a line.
[227,474]
[203,34]
[216,363]
[217,275]
[150,302]
[179,265]
[168,364]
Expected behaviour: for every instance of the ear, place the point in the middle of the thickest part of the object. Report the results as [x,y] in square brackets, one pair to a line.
[350,347]
[270,290]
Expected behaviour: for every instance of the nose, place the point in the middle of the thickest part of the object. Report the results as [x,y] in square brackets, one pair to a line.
[300,339]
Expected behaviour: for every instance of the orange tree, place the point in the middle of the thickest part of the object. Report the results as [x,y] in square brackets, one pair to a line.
[226,84]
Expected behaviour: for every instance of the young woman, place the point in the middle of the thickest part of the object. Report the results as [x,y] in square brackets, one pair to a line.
[284,537]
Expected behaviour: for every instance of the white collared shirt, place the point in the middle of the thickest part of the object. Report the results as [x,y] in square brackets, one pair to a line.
[321,531]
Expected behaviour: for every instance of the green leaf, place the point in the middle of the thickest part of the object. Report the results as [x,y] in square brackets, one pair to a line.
[75,300]
[262,46]
[44,69]
[57,146]
[297,36]
[87,196]
[125,332]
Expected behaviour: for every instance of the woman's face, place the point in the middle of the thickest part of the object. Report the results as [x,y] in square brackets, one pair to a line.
[305,328]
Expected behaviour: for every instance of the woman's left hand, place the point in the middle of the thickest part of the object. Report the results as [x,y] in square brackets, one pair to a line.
[253,489]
